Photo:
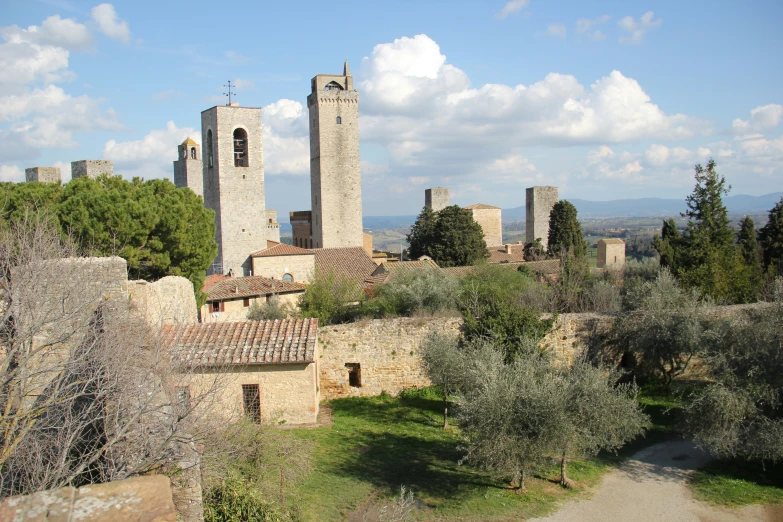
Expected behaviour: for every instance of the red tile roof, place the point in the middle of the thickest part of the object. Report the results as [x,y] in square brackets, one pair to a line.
[236,287]
[281,249]
[212,279]
[351,263]
[497,254]
[243,342]
[404,266]
[481,206]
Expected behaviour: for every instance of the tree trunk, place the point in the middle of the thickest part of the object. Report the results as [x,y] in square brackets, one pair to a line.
[563,478]
[445,412]
[521,488]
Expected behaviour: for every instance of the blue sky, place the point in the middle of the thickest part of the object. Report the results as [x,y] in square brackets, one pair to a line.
[606,99]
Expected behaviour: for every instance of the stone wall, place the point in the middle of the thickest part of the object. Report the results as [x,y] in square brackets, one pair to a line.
[335,175]
[139,499]
[169,300]
[610,252]
[43,174]
[91,168]
[289,392]
[387,351]
[302,228]
[490,221]
[538,205]
[300,266]
[189,173]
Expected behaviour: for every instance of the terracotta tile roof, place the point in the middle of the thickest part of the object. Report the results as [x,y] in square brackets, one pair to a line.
[236,287]
[497,254]
[273,248]
[243,342]
[352,263]
[551,266]
[404,266]
[481,206]
[212,279]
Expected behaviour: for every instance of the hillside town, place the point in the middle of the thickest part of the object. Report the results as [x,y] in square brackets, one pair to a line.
[172,349]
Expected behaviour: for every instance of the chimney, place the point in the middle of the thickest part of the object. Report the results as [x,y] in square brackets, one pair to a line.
[508,249]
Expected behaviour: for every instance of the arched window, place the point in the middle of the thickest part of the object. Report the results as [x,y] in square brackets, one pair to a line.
[339,120]
[288,277]
[333,86]
[209,148]
[240,148]
[184,153]
[193,152]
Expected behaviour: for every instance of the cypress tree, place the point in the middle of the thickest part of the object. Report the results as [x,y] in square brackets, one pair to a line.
[565,232]
[771,236]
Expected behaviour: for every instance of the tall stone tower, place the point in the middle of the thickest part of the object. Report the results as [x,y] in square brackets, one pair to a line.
[436,198]
[233,180]
[188,169]
[335,177]
[538,206]
[43,174]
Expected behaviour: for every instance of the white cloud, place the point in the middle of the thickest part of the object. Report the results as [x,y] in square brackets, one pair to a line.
[762,118]
[637,29]
[514,6]
[11,173]
[54,31]
[109,23]
[152,155]
[286,138]
[557,30]
[585,26]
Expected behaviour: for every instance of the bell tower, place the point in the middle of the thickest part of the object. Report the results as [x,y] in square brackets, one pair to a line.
[188,170]
[233,177]
[335,176]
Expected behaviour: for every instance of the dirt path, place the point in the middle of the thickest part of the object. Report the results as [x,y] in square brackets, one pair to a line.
[651,486]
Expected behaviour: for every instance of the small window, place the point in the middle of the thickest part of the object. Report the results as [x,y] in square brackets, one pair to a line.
[193,153]
[217,306]
[354,374]
[182,400]
[251,401]
[209,148]
[339,120]
[288,277]
[246,302]
[333,86]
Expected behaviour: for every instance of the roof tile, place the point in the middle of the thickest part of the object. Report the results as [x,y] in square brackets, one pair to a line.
[236,287]
[243,342]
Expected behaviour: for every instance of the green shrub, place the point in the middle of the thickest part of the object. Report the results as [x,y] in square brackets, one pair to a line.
[422,291]
[235,500]
[331,298]
[268,311]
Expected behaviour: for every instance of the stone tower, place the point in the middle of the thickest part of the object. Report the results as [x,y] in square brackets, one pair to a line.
[538,206]
[42,174]
[91,168]
[335,177]
[188,169]
[233,181]
[436,198]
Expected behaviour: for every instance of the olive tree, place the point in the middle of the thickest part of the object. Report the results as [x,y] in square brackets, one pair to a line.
[444,363]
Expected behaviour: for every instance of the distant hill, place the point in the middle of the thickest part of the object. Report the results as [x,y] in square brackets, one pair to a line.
[646,207]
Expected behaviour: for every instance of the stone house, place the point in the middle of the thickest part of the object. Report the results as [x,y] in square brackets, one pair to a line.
[230,298]
[611,252]
[264,369]
[284,262]
[506,253]
[489,217]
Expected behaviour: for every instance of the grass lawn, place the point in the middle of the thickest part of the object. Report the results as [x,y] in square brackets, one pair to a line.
[377,444]
[736,483]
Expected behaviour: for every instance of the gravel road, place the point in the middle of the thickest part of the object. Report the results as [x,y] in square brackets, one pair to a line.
[651,486]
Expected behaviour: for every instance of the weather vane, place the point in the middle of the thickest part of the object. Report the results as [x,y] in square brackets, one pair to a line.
[229,93]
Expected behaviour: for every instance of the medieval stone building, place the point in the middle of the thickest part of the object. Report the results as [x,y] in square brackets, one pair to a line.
[436,198]
[188,168]
[538,206]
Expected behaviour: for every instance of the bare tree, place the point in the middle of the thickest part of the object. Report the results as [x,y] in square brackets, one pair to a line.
[87,391]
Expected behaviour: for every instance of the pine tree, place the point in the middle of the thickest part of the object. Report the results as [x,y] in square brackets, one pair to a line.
[450,236]
[771,236]
[565,232]
[668,244]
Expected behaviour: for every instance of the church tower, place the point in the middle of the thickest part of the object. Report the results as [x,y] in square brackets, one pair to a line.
[335,177]
[188,170]
[233,178]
